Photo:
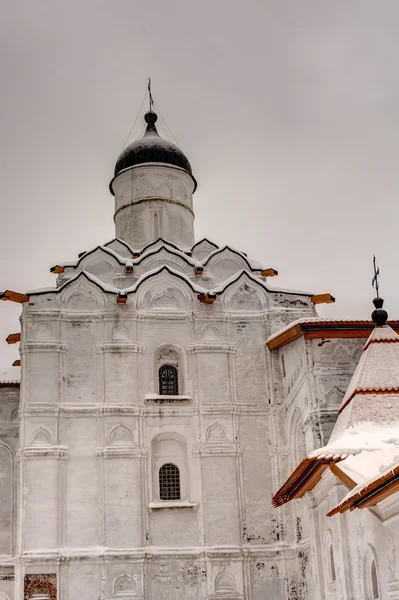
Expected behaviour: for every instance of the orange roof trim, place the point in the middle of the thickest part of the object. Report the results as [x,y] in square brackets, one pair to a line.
[325,329]
[307,474]
[370,494]
[14,296]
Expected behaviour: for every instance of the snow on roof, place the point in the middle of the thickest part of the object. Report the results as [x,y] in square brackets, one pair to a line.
[365,438]
[225,284]
[384,467]
[378,368]
[362,437]
[10,375]
[254,265]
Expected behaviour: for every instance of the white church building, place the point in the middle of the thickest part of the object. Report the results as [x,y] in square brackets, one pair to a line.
[168,398]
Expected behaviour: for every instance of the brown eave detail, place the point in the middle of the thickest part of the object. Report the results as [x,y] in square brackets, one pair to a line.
[346,480]
[4,384]
[370,494]
[304,478]
[13,338]
[326,329]
[14,296]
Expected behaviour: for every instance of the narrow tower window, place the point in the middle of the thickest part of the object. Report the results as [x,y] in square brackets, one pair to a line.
[374,581]
[168,380]
[169,482]
[332,565]
[156,226]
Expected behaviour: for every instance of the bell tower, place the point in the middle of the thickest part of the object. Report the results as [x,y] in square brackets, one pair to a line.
[153,187]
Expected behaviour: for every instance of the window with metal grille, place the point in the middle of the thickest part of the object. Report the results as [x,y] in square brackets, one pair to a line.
[169,482]
[168,381]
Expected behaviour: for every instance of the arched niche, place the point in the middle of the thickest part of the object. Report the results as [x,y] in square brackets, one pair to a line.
[216,433]
[82,295]
[370,575]
[245,294]
[169,448]
[164,292]
[330,558]
[225,583]
[169,354]
[225,263]
[43,331]
[125,586]
[41,437]
[120,333]
[121,436]
[210,333]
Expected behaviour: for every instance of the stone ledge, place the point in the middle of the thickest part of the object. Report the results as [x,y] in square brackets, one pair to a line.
[173,505]
[43,452]
[164,399]
[119,452]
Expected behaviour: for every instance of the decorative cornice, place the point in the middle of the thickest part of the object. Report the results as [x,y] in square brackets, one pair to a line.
[152,199]
[121,347]
[212,348]
[127,451]
[42,452]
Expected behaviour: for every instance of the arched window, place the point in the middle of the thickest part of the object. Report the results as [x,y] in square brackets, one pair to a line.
[168,380]
[375,594]
[169,482]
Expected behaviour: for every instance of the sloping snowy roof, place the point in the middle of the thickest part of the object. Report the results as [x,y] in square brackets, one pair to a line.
[367,428]
[378,368]
[10,376]
[372,490]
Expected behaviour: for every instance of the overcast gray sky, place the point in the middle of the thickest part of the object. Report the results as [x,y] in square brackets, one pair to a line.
[287,110]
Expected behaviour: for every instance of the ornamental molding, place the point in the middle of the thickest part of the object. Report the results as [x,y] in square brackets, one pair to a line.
[212,349]
[159,315]
[217,449]
[127,451]
[60,452]
[120,347]
[43,346]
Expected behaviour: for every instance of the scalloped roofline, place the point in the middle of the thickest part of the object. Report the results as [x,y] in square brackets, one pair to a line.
[108,289]
[73,265]
[127,246]
[234,251]
[205,239]
[190,261]
[223,286]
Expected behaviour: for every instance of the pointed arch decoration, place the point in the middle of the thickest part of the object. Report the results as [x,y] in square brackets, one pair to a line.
[121,436]
[41,437]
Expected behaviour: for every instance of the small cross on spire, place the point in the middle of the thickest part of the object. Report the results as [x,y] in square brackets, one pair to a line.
[150,95]
[375,282]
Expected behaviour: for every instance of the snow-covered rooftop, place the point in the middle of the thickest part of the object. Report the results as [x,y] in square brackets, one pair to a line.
[10,375]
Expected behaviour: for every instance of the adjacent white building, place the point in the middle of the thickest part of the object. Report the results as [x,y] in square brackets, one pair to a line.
[166,391]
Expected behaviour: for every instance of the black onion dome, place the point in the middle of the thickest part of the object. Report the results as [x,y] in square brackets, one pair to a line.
[151,148]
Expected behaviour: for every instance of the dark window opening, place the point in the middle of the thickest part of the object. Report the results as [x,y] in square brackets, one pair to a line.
[169,482]
[168,381]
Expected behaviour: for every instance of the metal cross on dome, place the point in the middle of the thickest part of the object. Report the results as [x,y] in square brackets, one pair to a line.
[149,94]
[375,282]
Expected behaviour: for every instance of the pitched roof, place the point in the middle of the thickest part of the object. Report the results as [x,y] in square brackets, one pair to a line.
[318,327]
[10,377]
[375,489]
[368,420]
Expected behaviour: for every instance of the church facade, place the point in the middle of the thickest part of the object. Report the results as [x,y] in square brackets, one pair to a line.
[165,391]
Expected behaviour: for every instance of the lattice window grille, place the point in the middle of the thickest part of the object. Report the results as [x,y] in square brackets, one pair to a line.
[168,380]
[169,482]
